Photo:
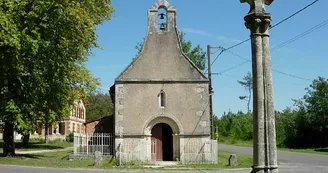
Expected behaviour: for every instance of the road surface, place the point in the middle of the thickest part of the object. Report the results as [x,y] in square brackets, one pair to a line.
[283,156]
[289,161]
[23,169]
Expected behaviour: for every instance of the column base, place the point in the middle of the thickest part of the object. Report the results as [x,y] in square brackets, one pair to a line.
[264,170]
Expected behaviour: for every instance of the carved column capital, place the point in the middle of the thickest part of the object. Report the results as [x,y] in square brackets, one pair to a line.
[266,24]
[253,23]
[258,24]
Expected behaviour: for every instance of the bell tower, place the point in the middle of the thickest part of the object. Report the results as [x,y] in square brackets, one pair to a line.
[162,17]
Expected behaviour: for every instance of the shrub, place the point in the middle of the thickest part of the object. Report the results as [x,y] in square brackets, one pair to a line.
[70,137]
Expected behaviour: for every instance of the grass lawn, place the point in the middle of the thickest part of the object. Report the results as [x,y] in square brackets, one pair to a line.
[60,159]
[56,144]
[228,141]
[323,151]
[243,162]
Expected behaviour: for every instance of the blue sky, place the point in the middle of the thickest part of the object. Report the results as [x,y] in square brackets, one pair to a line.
[221,23]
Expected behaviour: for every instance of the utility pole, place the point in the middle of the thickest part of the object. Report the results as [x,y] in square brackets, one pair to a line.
[210,89]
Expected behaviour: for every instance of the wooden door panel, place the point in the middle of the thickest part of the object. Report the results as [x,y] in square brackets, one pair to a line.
[157,144]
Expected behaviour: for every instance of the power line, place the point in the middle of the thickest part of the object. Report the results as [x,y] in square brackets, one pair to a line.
[239,56]
[294,76]
[217,57]
[248,61]
[273,26]
[294,14]
[300,35]
[277,47]
[238,44]
[234,67]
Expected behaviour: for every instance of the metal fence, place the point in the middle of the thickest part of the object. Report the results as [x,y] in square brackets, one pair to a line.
[88,144]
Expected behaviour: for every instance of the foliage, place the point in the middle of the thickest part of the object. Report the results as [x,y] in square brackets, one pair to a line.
[98,105]
[70,137]
[196,54]
[247,83]
[312,117]
[237,126]
[303,127]
[43,47]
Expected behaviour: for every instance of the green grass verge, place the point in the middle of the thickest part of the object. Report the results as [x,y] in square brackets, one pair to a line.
[59,159]
[230,141]
[236,142]
[55,144]
[243,162]
[322,151]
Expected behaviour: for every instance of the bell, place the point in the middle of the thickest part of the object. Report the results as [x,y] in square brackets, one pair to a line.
[162,16]
[162,27]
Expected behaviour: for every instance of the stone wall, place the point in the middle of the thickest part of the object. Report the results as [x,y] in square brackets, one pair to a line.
[137,104]
[192,150]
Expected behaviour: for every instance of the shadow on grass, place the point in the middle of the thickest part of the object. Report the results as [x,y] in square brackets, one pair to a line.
[22,156]
[35,145]
[322,150]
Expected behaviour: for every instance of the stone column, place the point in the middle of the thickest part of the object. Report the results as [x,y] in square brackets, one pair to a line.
[264,144]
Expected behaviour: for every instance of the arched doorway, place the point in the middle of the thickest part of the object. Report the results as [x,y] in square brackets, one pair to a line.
[162,142]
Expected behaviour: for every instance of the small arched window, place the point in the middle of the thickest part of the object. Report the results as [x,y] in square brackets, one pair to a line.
[162,19]
[162,99]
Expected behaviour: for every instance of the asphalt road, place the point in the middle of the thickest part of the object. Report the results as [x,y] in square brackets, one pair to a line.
[289,162]
[283,156]
[22,169]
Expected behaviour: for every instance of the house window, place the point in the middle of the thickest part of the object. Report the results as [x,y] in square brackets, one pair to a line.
[162,99]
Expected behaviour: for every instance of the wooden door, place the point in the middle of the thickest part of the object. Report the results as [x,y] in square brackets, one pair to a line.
[157,143]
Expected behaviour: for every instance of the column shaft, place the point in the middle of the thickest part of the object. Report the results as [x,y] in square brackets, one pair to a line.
[258,100]
[269,100]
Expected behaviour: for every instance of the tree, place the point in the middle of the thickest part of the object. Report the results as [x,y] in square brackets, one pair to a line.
[196,54]
[42,44]
[313,118]
[98,105]
[247,83]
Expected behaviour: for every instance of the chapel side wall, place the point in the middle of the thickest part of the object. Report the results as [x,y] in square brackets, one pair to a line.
[196,149]
[138,103]
[134,148]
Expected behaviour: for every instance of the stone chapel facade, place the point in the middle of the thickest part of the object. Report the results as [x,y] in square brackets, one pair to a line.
[162,99]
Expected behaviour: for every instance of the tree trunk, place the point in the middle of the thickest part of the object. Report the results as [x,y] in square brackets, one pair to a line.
[8,138]
[26,139]
[249,99]
[46,133]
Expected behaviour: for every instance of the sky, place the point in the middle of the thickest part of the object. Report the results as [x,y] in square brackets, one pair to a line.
[221,23]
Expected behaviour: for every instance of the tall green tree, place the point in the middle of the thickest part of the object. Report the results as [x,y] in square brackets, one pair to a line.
[42,44]
[196,54]
[313,113]
[247,83]
[98,105]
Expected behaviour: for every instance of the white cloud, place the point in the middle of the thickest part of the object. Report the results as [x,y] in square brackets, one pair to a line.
[223,38]
[205,33]
[195,31]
